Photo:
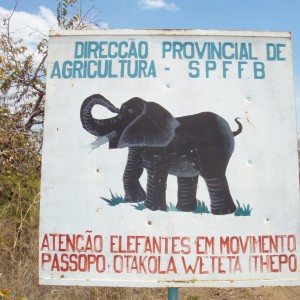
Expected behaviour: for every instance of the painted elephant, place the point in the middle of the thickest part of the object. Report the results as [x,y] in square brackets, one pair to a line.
[186,147]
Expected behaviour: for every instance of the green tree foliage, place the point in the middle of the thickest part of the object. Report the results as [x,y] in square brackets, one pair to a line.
[22,96]
[22,100]
[22,79]
[19,158]
[71,14]
[23,73]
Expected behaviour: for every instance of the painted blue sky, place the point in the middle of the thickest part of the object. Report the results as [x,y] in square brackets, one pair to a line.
[274,15]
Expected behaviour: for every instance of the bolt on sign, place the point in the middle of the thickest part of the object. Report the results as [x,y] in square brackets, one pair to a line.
[170,159]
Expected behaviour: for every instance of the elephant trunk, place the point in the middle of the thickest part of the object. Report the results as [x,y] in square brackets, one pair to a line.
[95,126]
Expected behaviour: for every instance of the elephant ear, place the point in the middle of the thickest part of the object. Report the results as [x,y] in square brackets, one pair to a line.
[154,127]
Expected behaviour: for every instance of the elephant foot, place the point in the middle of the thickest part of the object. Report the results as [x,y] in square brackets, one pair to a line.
[221,200]
[190,206]
[136,196]
[223,208]
[154,206]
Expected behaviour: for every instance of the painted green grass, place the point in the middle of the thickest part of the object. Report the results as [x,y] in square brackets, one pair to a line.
[172,207]
[243,210]
[114,200]
[201,208]
[139,206]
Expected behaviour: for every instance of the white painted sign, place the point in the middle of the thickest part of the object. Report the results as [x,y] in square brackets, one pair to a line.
[170,159]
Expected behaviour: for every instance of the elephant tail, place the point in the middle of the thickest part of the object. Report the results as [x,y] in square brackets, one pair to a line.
[239,130]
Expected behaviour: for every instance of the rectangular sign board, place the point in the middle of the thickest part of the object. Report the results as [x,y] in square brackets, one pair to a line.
[169,160]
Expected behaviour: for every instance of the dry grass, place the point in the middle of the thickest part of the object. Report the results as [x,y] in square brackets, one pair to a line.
[19,266]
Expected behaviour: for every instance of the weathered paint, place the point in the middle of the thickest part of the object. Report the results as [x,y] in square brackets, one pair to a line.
[90,236]
[170,32]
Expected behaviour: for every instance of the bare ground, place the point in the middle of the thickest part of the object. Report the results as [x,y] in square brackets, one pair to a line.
[262,293]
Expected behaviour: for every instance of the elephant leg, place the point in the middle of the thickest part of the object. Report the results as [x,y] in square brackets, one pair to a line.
[132,187]
[156,189]
[187,189]
[221,200]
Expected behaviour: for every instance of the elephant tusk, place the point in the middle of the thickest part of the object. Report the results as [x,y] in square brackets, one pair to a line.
[100,140]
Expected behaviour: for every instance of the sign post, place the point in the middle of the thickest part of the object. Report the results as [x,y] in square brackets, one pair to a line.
[172,293]
[170,159]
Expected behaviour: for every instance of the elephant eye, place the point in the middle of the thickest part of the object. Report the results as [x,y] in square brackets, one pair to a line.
[130,110]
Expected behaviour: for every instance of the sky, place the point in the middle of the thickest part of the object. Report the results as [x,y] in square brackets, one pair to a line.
[38,16]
